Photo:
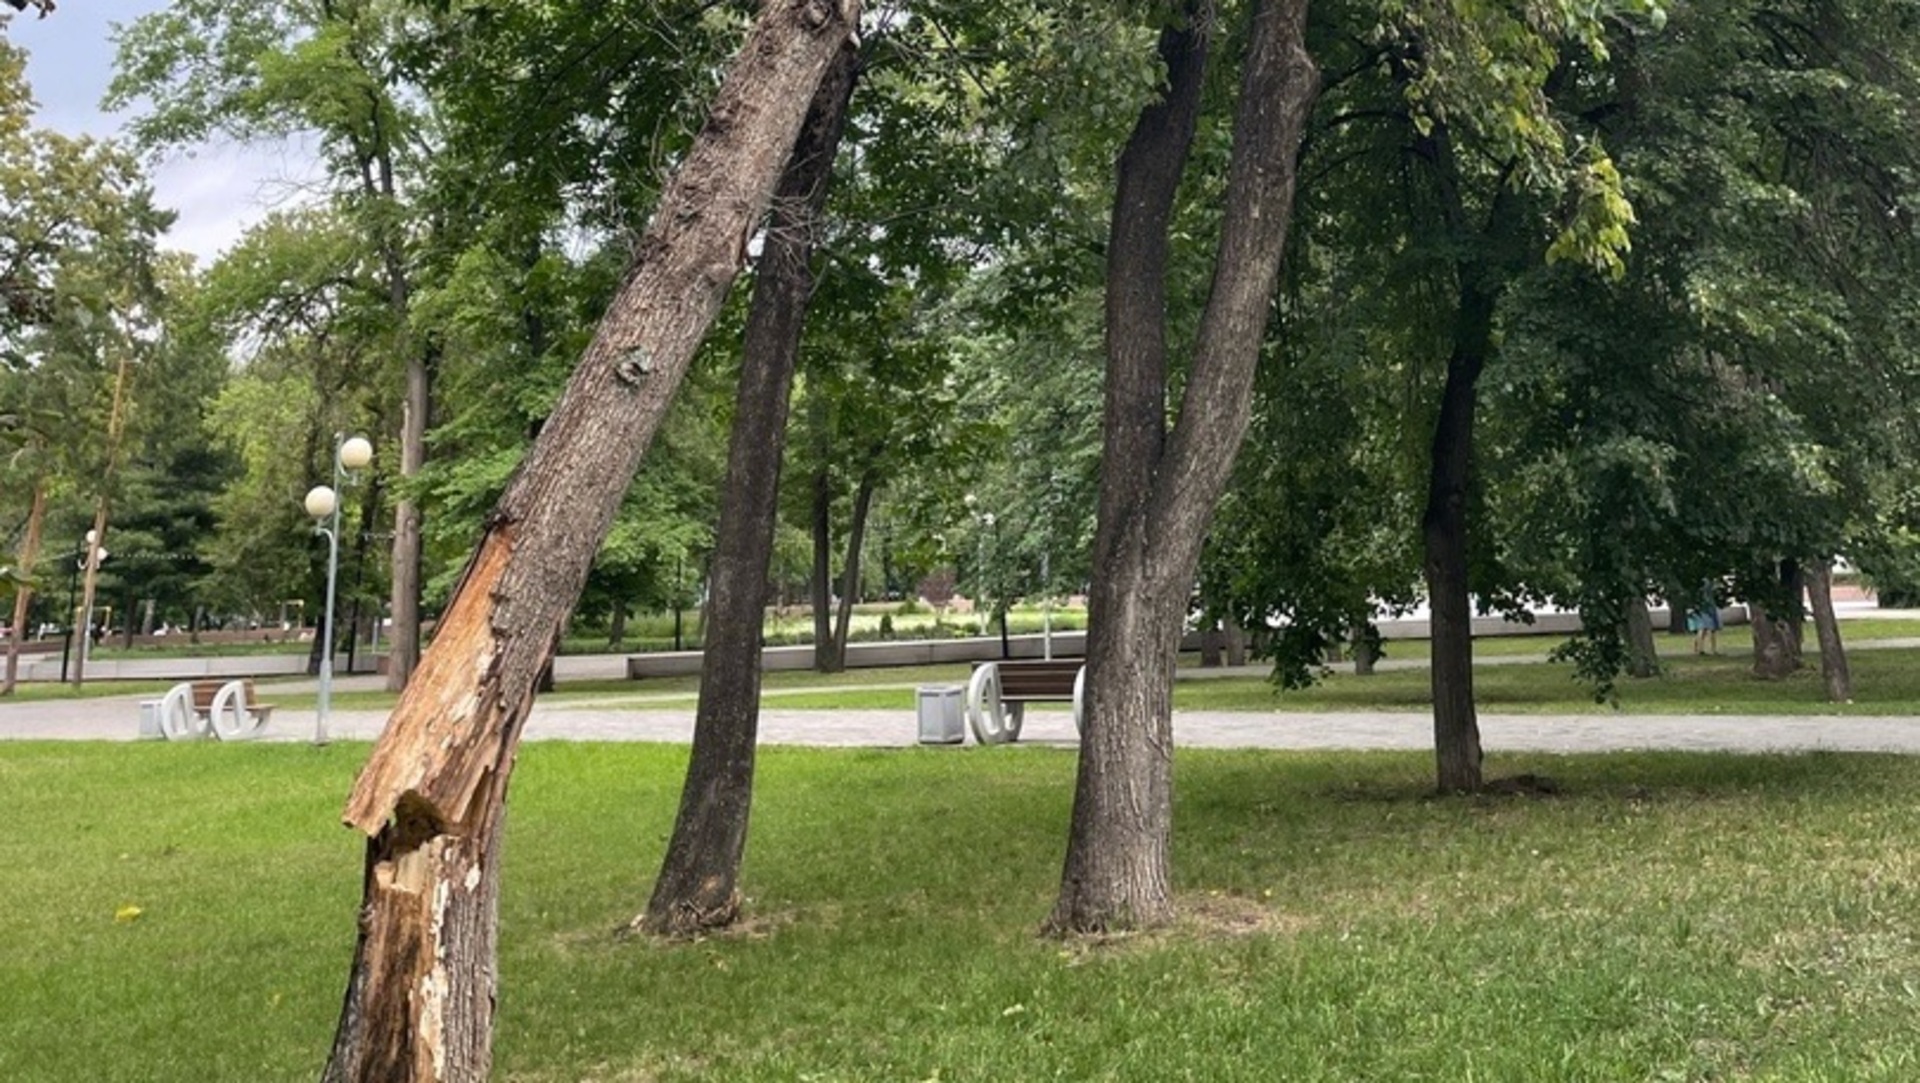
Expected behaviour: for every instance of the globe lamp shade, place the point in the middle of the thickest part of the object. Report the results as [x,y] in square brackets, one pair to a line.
[356,453]
[321,501]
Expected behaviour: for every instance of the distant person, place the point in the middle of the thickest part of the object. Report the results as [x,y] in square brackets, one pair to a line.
[1704,622]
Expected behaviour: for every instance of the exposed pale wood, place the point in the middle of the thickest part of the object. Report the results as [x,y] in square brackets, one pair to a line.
[447,731]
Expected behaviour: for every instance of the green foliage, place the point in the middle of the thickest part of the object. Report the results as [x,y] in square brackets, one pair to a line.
[1744,393]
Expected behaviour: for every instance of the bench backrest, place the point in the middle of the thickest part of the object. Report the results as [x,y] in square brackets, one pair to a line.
[204,691]
[1034,678]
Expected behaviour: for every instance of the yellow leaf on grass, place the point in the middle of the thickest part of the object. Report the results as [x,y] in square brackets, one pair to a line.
[127,913]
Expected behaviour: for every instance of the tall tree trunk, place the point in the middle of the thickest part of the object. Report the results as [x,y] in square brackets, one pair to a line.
[1366,648]
[23,600]
[1213,645]
[1773,653]
[1643,658]
[1117,872]
[1158,489]
[374,150]
[826,652]
[1456,726]
[403,645]
[1444,527]
[1826,626]
[1677,606]
[698,885]
[1236,643]
[1794,580]
[89,582]
[116,426]
[419,1002]
[1776,634]
[617,626]
[850,571]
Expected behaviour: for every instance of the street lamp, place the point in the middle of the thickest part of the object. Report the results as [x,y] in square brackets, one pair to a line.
[986,522]
[350,453]
[80,551]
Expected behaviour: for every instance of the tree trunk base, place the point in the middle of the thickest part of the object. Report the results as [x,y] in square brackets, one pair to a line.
[687,919]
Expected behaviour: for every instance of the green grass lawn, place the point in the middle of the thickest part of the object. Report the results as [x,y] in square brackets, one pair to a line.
[1668,916]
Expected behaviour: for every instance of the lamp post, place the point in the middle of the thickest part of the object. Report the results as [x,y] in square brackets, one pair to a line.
[80,552]
[986,522]
[350,453]
[1046,604]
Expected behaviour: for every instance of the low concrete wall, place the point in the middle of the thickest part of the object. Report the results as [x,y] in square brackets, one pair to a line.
[921,652]
[186,669]
[900,652]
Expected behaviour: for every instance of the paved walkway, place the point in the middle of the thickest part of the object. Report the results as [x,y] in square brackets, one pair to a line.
[116,718]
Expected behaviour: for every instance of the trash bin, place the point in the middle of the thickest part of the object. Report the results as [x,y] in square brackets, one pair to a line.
[150,720]
[940,721]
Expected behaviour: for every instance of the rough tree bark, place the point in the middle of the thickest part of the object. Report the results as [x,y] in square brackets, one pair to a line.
[116,428]
[375,154]
[403,648]
[1236,643]
[1213,645]
[1366,647]
[1833,653]
[697,888]
[1443,530]
[826,653]
[23,599]
[1776,635]
[419,1000]
[1158,489]
[850,570]
[1677,606]
[1481,276]
[1643,658]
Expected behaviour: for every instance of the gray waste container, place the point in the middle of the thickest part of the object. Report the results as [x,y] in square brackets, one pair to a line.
[940,721]
[150,720]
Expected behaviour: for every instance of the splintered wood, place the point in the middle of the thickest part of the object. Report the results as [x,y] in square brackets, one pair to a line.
[448,731]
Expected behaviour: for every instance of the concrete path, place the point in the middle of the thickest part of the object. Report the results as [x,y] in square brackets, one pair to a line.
[116,718]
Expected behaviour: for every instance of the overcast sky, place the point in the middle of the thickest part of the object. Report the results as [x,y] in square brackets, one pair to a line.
[216,190]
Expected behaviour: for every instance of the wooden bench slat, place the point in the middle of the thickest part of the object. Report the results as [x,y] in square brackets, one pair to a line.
[204,693]
[1038,679]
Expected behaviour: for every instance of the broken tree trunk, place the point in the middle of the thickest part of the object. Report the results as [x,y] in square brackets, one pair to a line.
[419,1001]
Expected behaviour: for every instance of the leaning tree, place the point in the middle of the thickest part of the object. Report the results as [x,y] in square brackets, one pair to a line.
[432,797]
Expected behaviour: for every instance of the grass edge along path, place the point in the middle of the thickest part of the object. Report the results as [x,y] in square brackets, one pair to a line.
[1886,682]
[185,913]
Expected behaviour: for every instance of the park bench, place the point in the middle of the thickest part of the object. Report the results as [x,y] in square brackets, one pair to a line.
[998,694]
[228,710]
